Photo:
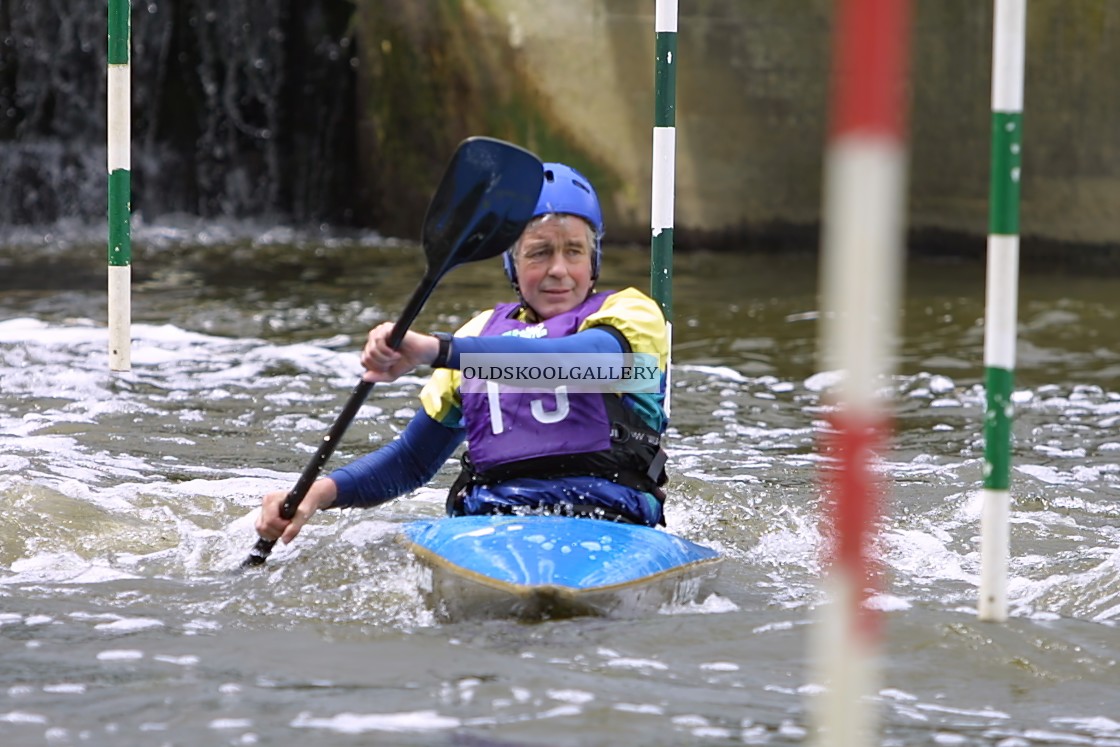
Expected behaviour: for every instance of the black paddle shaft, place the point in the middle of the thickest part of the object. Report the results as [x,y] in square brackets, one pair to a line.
[483,202]
[263,548]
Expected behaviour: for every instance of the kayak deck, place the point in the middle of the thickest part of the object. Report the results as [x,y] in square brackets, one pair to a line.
[544,567]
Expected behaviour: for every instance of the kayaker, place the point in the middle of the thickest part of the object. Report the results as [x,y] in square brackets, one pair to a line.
[587,454]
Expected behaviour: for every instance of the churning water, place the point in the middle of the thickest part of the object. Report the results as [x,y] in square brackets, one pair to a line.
[127,502]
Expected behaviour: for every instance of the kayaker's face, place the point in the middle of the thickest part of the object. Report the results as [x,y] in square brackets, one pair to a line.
[553,263]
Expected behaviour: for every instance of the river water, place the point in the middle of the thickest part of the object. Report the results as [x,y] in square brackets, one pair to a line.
[128,499]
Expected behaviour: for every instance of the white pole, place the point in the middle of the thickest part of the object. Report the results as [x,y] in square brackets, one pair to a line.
[664,168]
[119,166]
[1008,55]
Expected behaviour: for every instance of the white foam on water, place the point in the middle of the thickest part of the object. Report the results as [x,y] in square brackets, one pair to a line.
[187,660]
[824,380]
[795,541]
[712,604]
[220,724]
[711,732]
[715,372]
[66,567]
[887,603]
[1097,726]
[987,713]
[1042,736]
[719,666]
[770,627]
[635,663]
[125,626]
[69,362]
[246,487]
[360,723]
[120,655]
[1046,474]
[647,709]
[924,556]
[577,697]
[1093,594]
[22,717]
[369,532]
[27,329]
[892,693]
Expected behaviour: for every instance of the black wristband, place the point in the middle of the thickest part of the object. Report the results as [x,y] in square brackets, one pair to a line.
[444,349]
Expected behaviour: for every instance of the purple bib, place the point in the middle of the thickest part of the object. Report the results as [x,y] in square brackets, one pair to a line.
[509,425]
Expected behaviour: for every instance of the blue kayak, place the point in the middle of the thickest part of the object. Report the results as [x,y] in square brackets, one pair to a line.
[542,567]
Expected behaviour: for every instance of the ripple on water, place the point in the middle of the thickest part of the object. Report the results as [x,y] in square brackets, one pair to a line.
[131,501]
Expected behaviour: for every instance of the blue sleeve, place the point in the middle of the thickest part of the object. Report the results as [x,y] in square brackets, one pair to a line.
[407,463]
[600,339]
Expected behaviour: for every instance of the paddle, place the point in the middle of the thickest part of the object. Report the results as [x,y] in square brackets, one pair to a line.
[485,198]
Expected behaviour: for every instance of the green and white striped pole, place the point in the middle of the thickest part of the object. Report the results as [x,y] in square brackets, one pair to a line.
[120,186]
[1002,301]
[664,164]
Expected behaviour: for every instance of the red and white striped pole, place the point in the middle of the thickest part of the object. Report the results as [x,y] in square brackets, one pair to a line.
[861,267]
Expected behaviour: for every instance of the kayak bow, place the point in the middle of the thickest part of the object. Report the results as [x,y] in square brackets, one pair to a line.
[541,567]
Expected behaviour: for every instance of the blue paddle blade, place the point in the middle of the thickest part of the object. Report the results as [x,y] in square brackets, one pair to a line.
[482,204]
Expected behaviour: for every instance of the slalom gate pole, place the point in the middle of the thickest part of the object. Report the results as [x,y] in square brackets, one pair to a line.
[1008,56]
[120,187]
[861,268]
[664,166]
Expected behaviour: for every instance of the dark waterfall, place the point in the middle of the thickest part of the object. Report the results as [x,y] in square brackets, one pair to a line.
[239,109]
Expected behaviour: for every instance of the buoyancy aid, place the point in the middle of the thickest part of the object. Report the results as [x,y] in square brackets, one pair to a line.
[524,434]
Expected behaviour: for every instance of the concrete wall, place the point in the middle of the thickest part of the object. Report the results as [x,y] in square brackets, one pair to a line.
[753,83]
[750,101]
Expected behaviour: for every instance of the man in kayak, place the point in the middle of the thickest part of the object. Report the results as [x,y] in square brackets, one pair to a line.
[595,454]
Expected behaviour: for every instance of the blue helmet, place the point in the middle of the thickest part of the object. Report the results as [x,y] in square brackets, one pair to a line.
[566,191]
